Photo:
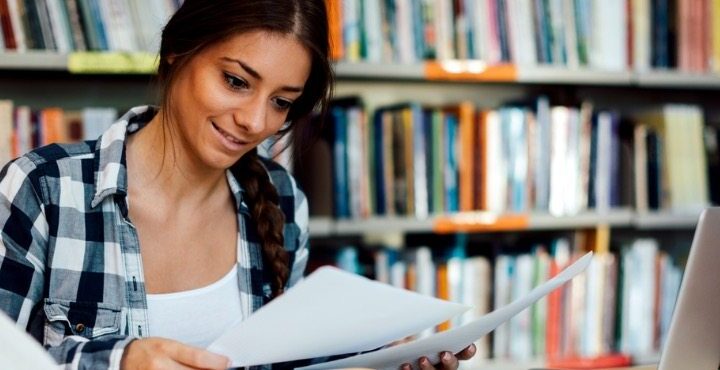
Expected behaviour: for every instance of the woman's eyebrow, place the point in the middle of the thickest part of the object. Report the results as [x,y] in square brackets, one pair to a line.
[252,72]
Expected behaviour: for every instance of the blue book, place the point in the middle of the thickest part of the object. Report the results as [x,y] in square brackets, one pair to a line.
[452,201]
[379,171]
[340,176]
[99,26]
[660,24]
[427,123]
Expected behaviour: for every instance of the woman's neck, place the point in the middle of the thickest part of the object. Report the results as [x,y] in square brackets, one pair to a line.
[157,159]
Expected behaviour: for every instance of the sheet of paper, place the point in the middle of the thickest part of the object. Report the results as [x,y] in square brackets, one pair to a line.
[19,351]
[331,312]
[455,339]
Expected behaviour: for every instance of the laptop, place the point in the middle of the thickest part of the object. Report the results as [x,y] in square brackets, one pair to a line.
[694,338]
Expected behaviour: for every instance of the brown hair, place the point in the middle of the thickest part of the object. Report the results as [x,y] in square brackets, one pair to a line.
[200,23]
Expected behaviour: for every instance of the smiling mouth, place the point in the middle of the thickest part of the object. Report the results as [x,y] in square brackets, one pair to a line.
[227,135]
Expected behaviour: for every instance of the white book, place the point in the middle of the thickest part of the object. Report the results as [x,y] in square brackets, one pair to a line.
[6,131]
[405,32]
[372,16]
[502,295]
[608,46]
[23,129]
[443,30]
[516,125]
[570,33]
[420,180]
[496,176]
[476,290]
[637,335]
[479,28]
[572,164]
[16,22]
[521,33]
[122,18]
[425,275]
[60,26]
[96,121]
[592,330]
[542,147]
[641,34]
[699,195]
[603,162]
[521,325]
[560,121]
[670,287]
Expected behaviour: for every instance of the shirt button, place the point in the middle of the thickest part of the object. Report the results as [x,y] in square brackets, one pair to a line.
[80,328]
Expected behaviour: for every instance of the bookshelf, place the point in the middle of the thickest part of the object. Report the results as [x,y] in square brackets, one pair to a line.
[74,80]
[382,84]
[37,60]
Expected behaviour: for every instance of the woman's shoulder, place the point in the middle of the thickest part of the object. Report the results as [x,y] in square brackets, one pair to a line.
[44,160]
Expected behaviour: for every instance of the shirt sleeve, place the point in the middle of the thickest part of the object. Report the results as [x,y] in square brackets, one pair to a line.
[24,235]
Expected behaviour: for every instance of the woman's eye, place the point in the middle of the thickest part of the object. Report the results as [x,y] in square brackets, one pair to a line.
[283,104]
[235,83]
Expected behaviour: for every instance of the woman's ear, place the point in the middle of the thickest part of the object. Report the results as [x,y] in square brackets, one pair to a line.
[171,59]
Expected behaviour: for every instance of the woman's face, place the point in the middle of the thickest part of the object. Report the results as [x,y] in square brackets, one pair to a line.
[237,93]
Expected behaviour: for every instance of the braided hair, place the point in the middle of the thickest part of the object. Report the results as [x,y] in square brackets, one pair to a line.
[200,23]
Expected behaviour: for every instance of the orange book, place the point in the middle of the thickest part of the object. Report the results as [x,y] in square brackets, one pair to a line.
[467,124]
[480,166]
[553,340]
[52,126]
[443,291]
[335,23]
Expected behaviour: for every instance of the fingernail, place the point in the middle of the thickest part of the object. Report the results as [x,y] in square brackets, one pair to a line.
[445,356]
[424,361]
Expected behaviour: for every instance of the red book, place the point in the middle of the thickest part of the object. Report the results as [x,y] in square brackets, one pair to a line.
[600,362]
[6,32]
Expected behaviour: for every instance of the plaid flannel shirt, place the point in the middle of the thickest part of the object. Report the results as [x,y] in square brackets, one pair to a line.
[70,265]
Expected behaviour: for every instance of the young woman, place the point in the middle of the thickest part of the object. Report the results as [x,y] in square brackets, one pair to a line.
[137,250]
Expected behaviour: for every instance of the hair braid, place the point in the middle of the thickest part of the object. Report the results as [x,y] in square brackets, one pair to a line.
[263,200]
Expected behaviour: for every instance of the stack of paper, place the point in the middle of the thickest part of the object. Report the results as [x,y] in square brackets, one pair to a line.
[333,312]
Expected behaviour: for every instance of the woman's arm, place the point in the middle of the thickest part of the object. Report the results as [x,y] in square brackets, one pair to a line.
[24,235]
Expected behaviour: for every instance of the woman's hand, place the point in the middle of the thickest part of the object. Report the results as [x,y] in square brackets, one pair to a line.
[160,353]
[448,361]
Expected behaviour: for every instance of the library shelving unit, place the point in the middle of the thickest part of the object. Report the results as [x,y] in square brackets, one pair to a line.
[74,81]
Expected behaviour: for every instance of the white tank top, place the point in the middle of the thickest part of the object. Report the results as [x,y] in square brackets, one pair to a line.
[199,316]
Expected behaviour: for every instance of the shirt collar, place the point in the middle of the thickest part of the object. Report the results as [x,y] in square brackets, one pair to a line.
[110,169]
[110,165]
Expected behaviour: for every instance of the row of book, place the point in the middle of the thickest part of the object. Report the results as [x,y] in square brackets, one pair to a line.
[622,304]
[417,160]
[23,128]
[83,25]
[611,34]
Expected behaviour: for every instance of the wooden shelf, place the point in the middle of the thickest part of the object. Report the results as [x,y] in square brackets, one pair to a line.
[460,71]
[666,220]
[479,222]
[675,79]
[34,60]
